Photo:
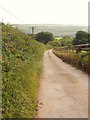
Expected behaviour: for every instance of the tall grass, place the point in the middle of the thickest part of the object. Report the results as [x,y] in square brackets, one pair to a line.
[21,67]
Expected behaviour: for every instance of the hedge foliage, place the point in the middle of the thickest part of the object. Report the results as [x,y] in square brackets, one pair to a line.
[80,60]
[21,67]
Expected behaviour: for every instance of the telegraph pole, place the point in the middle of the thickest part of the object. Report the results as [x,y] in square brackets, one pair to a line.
[33,29]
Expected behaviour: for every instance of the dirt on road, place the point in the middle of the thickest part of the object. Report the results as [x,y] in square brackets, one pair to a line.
[63,90]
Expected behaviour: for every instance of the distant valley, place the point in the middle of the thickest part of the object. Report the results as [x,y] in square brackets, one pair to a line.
[56,29]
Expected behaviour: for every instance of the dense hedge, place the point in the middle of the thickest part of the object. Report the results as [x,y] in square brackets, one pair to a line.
[80,60]
[21,67]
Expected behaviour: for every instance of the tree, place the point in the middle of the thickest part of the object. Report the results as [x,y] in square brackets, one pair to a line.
[81,37]
[44,37]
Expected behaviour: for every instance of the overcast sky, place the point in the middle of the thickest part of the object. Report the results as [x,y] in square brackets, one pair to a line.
[44,11]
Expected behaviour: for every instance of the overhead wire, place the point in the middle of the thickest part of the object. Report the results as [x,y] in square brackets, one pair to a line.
[7,11]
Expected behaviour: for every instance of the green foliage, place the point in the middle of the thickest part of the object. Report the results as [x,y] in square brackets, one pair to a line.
[81,60]
[21,69]
[81,37]
[44,37]
[65,42]
[53,44]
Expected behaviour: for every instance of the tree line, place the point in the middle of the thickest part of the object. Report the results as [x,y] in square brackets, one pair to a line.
[81,37]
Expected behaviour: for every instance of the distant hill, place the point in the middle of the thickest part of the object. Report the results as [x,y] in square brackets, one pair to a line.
[56,29]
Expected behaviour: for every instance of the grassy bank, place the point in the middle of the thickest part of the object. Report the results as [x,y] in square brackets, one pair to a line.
[80,60]
[21,67]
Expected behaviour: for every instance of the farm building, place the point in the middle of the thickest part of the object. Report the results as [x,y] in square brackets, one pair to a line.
[85,47]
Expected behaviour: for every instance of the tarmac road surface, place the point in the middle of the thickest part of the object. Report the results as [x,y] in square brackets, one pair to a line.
[63,90]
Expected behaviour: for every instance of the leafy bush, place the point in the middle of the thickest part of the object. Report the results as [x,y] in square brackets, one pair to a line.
[64,42]
[21,67]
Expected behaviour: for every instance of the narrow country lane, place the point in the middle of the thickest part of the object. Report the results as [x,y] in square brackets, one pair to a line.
[63,90]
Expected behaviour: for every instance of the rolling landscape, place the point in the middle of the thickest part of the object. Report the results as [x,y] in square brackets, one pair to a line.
[56,29]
